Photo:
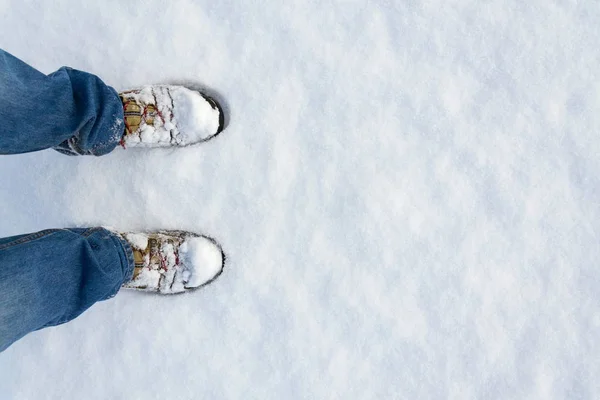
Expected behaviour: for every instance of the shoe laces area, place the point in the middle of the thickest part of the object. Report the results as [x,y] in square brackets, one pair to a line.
[161,255]
[139,112]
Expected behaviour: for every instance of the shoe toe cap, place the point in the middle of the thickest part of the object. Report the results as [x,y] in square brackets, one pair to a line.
[203,260]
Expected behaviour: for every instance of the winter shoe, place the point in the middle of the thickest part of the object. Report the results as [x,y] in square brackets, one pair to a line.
[171,262]
[165,116]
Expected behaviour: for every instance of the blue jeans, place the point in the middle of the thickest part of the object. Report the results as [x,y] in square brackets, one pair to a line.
[69,110]
[50,277]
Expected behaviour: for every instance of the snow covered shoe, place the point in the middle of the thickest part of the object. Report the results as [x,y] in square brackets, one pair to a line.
[170,262]
[166,115]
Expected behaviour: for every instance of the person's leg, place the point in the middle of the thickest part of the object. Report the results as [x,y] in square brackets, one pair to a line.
[50,277]
[69,110]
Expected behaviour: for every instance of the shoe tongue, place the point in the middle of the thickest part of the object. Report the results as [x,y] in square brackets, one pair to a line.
[138,262]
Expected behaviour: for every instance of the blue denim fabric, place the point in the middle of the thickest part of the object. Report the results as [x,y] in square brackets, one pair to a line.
[71,111]
[50,277]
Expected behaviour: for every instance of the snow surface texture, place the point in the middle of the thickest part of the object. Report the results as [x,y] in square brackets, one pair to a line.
[407,194]
[183,117]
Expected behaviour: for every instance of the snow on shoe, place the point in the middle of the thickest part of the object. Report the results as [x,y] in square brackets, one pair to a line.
[173,261]
[164,116]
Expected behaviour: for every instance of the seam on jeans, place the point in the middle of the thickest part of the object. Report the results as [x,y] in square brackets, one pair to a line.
[28,238]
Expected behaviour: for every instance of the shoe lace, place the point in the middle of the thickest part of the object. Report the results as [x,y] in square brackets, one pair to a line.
[148,110]
[155,252]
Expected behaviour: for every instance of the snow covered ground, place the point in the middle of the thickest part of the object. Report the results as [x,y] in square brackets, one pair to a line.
[407,193]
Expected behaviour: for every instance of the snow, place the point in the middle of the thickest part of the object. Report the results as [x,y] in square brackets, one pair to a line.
[406,192]
[136,240]
[202,260]
[196,118]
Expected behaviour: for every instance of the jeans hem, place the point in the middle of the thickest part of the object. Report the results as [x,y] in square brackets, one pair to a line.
[129,262]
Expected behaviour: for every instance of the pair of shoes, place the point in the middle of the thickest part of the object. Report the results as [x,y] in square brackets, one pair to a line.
[160,116]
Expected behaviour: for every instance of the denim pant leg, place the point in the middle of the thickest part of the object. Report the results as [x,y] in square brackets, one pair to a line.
[69,110]
[50,277]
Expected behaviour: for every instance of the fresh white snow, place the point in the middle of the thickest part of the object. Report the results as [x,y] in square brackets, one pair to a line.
[407,195]
[202,260]
[136,240]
